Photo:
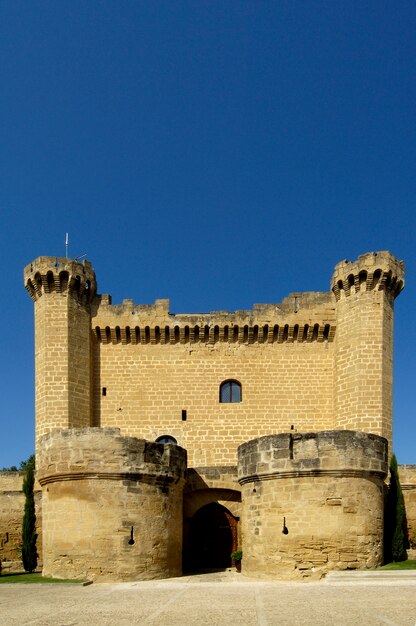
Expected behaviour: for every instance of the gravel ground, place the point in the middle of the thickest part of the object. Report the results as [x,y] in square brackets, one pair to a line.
[212,599]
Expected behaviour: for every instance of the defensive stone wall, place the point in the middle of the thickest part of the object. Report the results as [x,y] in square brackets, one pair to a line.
[158,373]
[313,361]
[112,378]
[312,502]
[12,502]
[407,476]
[203,485]
[112,505]
[11,515]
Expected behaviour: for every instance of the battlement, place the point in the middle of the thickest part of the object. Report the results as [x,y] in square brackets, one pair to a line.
[315,360]
[300,317]
[371,271]
[48,274]
[317,498]
[127,394]
[122,498]
[85,453]
[287,455]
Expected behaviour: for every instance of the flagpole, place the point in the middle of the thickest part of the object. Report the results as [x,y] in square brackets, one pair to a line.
[66,246]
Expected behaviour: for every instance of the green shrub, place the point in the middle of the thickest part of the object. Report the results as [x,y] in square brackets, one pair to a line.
[396,539]
[29,536]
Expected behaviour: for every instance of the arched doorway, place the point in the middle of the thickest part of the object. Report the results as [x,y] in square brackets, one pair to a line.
[212,537]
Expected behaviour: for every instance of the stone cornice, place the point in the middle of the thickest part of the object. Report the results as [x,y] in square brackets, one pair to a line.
[301,317]
[333,473]
[158,479]
[301,332]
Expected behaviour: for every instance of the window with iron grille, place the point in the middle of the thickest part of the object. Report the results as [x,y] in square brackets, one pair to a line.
[230,391]
[166,439]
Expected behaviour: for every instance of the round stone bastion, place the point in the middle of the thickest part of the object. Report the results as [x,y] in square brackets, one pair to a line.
[111,505]
[312,502]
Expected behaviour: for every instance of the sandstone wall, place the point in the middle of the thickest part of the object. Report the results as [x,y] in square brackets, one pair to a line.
[313,361]
[407,476]
[112,506]
[151,366]
[365,292]
[62,291]
[12,502]
[312,503]
[148,387]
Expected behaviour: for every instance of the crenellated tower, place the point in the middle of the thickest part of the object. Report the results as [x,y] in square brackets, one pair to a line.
[302,388]
[62,291]
[363,370]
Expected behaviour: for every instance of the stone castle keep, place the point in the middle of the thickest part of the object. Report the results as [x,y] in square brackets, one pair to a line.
[164,442]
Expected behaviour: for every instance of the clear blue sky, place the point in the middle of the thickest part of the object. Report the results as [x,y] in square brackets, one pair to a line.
[217,153]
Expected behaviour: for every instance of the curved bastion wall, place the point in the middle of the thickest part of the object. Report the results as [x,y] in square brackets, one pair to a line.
[312,502]
[112,505]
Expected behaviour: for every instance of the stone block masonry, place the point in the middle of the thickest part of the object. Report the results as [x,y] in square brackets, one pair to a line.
[112,506]
[151,365]
[363,367]
[312,502]
[313,361]
[12,502]
[310,389]
[62,291]
[407,476]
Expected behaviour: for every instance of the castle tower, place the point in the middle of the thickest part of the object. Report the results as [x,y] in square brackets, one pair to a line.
[123,504]
[62,291]
[312,502]
[365,291]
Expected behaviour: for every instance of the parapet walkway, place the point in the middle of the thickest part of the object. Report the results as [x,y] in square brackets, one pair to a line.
[216,599]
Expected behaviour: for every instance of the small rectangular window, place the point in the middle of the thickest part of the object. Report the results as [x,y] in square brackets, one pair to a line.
[104,391]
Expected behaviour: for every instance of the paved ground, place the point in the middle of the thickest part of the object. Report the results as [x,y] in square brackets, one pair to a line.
[214,599]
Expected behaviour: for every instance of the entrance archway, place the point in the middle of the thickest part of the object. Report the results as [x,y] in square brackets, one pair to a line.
[212,537]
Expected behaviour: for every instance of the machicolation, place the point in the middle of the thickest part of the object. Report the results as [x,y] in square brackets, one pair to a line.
[140,413]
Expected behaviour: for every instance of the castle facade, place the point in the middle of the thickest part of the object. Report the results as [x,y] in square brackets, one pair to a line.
[166,441]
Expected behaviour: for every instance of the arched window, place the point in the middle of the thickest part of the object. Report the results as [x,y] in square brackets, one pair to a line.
[230,391]
[166,439]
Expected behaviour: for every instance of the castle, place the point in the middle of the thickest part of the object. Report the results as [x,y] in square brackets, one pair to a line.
[165,442]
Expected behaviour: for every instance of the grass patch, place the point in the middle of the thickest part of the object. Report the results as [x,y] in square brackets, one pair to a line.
[409,564]
[33,578]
